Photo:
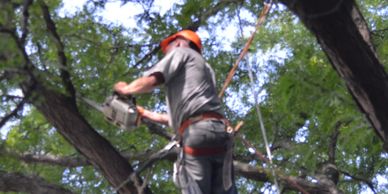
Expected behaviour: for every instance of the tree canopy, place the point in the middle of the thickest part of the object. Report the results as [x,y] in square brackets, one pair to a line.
[319,69]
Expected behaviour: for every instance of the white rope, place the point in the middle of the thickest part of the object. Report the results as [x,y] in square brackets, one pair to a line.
[263,131]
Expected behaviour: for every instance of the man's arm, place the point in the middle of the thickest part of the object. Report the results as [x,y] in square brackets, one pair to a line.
[153,116]
[138,86]
[143,85]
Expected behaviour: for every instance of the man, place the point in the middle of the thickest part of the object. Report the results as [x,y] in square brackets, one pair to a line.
[194,112]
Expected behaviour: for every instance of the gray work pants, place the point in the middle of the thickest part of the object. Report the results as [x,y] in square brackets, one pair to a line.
[204,174]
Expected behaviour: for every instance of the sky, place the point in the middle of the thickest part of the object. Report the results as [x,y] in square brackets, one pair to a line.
[116,13]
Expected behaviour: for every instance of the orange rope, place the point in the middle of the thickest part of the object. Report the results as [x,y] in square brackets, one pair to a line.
[260,21]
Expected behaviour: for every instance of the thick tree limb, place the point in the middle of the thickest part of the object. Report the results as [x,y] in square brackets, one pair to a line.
[67,161]
[62,113]
[250,172]
[17,182]
[344,36]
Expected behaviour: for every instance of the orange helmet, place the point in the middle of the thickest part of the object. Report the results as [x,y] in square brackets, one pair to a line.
[187,34]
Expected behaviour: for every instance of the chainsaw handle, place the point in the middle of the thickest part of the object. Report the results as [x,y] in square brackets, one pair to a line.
[121,96]
[128,97]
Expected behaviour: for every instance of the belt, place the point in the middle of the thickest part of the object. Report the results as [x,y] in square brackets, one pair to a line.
[203,116]
[205,151]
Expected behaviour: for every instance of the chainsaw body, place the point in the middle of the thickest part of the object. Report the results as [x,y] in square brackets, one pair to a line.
[121,111]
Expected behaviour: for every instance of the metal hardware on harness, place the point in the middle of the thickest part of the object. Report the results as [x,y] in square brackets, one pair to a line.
[118,110]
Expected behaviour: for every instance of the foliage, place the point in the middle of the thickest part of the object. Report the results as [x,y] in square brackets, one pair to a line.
[304,103]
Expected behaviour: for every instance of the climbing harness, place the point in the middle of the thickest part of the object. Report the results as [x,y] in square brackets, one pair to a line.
[207,151]
[201,117]
[181,178]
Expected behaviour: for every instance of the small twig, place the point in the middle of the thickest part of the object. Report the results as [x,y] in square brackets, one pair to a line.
[10,73]
[145,57]
[145,181]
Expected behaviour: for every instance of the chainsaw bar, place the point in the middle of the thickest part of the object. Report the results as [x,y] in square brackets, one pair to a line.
[118,110]
[92,103]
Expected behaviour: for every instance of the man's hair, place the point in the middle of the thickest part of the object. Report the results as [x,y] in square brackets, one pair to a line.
[194,47]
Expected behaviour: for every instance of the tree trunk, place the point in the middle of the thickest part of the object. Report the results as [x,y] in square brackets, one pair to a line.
[344,36]
[63,114]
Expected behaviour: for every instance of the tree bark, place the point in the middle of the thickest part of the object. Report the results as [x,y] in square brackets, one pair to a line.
[16,182]
[344,36]
[62,113]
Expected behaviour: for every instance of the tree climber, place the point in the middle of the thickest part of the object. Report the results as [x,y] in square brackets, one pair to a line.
[194,112]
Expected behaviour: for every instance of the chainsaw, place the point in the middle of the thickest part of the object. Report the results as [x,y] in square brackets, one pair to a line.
[118,109]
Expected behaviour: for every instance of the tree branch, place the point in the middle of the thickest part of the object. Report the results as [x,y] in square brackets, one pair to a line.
[69,161]
[246,170]
[27,69]
[210,12]
[10,73]
[26,15]
[65,75]
[13,113]
[333,143]
[17,182]
[20,46]
[157,129]
[97,43]
[18,108]
[147,56]
[366,181]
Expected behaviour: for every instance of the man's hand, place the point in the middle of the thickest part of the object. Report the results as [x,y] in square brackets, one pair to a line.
[120,87]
